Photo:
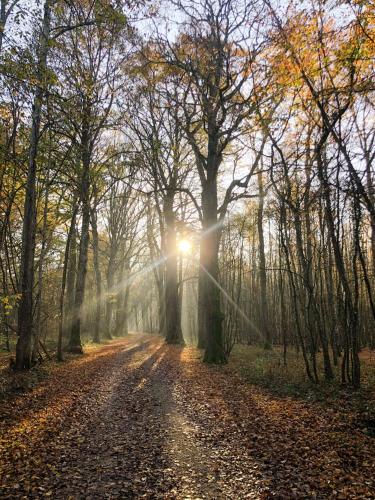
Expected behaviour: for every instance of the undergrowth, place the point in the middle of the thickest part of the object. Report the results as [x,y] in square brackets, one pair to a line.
[266,369]
[13,383]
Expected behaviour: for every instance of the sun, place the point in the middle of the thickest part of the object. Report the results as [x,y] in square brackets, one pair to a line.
[184,246]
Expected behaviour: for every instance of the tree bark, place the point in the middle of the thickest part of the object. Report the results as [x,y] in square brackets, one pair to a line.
[172,304]
[43,252]
[110,293]
[98,277]
[214,352]
[202,333]
[71,274]
[69,241]
[263,302]
[75,344]
[3,19]
[25,311]
[122,312]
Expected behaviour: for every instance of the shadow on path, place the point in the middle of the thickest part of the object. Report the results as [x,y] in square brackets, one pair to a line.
[155,422]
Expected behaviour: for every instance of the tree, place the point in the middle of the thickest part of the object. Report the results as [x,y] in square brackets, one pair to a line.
[25,311]
[89,85]
[164,156]
[7,8]
[212,57]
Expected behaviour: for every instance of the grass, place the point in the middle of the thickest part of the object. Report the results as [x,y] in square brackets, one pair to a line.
[266,369]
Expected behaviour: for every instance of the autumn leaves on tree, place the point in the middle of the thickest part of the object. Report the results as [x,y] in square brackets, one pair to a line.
[244,128]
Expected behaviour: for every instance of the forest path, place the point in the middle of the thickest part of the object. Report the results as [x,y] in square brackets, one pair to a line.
[139,419]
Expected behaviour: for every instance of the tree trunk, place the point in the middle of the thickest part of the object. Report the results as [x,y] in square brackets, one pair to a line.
[158,271]
[69,241]
[263,301]
[172,304]
[161,306]
[71,274]
[202,340]
[122,310]
[75,344]
[214,352]
[110,294]
[25,311]
[98,277]
[3,19]
[125,312]
[43,252]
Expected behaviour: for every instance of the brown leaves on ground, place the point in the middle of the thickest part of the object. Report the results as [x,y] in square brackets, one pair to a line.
[139,419]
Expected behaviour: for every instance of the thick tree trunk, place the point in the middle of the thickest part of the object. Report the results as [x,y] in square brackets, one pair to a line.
[25,311]
[110,295]
[122,310]
[71,274]
[75,344]
[98,277]
[172,304]
[125,312]
[214,352]
[43,252]
[202,332]
[161,307]
[159,270]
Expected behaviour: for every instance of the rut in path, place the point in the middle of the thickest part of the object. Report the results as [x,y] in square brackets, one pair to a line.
[140,419]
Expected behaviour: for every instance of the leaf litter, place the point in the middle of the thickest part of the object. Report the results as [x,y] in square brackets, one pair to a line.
[140,419]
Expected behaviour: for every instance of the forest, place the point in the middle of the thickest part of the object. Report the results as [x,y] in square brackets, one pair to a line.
[187,249]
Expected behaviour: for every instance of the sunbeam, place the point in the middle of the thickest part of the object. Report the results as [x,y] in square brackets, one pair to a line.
[122,285]
[236,306]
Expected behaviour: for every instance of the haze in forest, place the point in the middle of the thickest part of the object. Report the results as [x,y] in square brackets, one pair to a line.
[192,173]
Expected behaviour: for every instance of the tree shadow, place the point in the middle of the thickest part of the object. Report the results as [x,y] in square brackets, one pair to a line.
[160,424]
[120,452]
[19,408]
[54,435]
[287,449]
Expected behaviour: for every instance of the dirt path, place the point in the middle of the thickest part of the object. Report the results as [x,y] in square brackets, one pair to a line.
[143,420]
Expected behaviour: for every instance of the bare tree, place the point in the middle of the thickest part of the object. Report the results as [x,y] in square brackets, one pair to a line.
[211,57]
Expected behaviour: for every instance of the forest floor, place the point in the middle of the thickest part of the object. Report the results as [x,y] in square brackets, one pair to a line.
[138,419]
